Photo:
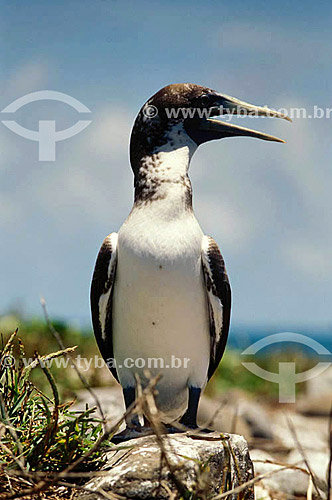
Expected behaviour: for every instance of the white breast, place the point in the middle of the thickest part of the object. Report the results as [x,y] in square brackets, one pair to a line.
[160,305]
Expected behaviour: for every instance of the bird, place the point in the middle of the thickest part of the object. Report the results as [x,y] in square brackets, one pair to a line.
[160,289]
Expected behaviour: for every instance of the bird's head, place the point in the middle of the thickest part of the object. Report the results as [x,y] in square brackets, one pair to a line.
[182,114]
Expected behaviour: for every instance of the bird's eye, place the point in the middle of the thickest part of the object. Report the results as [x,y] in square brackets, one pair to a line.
[204,100]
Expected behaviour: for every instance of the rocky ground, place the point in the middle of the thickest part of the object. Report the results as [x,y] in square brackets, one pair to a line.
[203,465]
[276,433]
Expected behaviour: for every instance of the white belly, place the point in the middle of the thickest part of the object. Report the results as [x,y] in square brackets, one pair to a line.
[160,312]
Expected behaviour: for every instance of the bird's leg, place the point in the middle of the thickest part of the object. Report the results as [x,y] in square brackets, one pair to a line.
[133,427]
[189,419]
[129,395]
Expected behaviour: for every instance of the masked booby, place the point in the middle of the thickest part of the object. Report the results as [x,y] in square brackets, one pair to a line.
[160,290]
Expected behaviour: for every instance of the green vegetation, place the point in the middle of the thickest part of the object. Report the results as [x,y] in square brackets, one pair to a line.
[36,337]
[38,432]
[232,374]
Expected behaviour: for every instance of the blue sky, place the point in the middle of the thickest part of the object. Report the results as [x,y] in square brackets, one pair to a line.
[269,206]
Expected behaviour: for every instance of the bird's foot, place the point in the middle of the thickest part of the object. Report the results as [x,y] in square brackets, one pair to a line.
[198,430]
[174,429]
[193,428]
[186,428]
[131,433]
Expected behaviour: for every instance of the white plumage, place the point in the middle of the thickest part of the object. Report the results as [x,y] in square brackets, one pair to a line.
[160,304]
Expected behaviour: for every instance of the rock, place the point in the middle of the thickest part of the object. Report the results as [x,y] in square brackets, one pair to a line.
[318,462]
[311,433]
[320,385]
[257,419]
[289,481]
[262,493]
[136,472]
[317,405]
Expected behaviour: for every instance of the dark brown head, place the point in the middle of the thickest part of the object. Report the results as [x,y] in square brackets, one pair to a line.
[182,112]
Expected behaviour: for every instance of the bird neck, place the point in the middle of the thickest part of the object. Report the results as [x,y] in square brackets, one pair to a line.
[162,179]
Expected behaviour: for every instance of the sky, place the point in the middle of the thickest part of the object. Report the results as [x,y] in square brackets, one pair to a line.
[268,205]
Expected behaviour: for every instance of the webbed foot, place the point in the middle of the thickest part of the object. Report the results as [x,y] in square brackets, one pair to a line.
[131,433]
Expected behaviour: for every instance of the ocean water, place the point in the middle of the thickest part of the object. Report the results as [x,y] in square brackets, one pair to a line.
[242,336]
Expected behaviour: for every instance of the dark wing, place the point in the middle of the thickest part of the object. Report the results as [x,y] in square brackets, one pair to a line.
[101,298]
[219,300]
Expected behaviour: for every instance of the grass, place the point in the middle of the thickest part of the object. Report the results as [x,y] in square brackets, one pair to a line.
[39,432]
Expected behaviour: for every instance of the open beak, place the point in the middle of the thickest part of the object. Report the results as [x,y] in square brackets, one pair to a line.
[209,129]
[219,129]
